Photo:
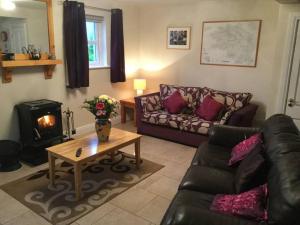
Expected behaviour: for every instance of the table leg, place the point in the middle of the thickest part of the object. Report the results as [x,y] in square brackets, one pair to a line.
[77,174]
[51,161]
[137,146]
[123,114]
[134,116]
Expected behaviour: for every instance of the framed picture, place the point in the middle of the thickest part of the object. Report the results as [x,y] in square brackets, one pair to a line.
[230,43]
[4,36]
[179,37]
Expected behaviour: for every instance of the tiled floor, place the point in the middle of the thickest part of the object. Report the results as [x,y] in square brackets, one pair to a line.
[143,204]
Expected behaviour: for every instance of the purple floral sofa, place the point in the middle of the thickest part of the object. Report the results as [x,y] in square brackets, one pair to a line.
[187,128]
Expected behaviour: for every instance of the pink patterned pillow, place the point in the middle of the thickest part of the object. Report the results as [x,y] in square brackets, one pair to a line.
[250,204]
[174,103]
[241,150]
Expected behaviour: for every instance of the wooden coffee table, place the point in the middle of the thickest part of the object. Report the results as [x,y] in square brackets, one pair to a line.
[91,150]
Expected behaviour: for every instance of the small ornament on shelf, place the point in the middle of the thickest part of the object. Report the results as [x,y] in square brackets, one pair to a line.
[34,53]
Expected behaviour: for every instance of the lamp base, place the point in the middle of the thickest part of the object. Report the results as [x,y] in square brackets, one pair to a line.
[139,92]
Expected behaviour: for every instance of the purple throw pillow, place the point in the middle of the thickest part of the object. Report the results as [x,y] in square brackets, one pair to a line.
[241,150]
[209,109]
[250,204]
[175,103]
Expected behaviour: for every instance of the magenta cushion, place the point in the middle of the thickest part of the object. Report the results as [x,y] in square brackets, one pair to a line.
[209,109]
[250,204]
[241,150]
[175,103]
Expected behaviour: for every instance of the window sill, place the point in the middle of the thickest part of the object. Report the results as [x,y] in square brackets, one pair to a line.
[98,67]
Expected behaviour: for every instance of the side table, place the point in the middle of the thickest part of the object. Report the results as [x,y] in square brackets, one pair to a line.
[127,104]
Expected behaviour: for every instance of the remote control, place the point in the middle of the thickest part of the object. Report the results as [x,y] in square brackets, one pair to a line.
[78,152]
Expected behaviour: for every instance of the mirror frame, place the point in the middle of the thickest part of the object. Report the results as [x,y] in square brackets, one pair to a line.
[50,26]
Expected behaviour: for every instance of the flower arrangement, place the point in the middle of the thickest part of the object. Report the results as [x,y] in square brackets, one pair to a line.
[103,107]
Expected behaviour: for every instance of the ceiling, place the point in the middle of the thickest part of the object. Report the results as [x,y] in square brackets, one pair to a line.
[288,1]
[161,1]
[191,1]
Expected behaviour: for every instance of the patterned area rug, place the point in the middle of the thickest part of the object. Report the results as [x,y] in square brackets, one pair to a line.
[102,180]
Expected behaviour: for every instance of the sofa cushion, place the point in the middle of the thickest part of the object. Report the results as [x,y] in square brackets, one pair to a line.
[251,204]
[215,156]
[252,171]
[193,198]
[151,103]
[195,124]
[190,94]
[208,180]
[164,118]
[225,117]
[174,103]
[209,109]
[242,149]
[233,100]
[192,208]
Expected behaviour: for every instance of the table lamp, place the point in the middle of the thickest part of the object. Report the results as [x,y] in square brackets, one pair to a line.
[139,86]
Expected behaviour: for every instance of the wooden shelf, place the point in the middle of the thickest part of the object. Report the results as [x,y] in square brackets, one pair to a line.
[24,63]
[7,67]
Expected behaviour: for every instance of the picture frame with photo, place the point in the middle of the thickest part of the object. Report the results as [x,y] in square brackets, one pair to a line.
[179,38]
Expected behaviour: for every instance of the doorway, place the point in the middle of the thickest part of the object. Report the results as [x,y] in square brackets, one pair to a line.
[292,100]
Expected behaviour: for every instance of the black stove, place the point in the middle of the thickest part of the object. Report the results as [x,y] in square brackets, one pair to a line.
[40,127]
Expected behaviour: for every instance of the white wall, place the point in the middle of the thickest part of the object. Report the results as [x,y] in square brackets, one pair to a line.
[29,83]
[183,67]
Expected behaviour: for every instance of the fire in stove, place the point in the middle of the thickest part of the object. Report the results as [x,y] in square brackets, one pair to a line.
[47,121]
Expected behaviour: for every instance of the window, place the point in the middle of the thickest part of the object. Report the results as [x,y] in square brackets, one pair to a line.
[96,35]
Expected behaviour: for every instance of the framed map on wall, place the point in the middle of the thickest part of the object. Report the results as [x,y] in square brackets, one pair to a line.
[230,43]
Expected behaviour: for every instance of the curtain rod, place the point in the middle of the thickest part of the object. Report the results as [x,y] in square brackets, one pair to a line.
[89,7]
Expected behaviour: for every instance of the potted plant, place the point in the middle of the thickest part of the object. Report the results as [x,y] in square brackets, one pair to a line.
[104,108]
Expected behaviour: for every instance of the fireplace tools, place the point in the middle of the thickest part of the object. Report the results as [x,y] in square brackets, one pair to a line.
[70,123]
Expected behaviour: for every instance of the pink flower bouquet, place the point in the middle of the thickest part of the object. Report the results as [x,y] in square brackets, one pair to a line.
[103,107]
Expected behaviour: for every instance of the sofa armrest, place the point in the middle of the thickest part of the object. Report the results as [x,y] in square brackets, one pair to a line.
[243,117]
[139,108]
[229,136]
[193,215]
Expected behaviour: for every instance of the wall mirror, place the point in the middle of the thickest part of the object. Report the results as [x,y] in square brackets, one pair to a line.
[26,23]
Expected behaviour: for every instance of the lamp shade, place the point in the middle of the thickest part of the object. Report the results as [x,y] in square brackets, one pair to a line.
[139,84]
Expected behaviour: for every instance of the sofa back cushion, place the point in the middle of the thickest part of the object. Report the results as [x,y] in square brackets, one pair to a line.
[283,154]
[190,94]
[233,100]
[278,124]
[252,171]
[151,103]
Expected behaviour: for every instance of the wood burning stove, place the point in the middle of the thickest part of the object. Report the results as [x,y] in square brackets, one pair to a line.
[40,127]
